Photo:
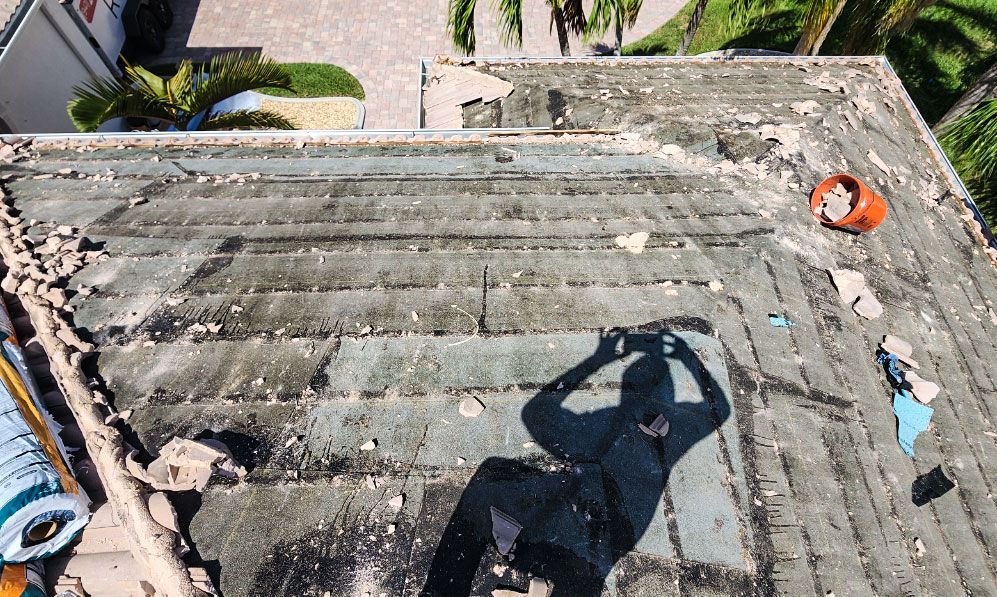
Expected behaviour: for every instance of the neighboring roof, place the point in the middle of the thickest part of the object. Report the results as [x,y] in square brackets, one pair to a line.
[301,300]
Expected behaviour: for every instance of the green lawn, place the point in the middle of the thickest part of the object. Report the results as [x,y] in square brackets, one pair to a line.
[946,49]
[319,80]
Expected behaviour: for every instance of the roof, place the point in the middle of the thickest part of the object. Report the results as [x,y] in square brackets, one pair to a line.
[301,300]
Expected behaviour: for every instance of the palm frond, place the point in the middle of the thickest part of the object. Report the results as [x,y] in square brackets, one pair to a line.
[510,21]
[101,100]
[460,23]
[604,14]
[815,18]
[600,19]
[901,14]
[245,119]
[180,85]
[574,15]
[234,72]
[972,140]
[630,10]
[150,84]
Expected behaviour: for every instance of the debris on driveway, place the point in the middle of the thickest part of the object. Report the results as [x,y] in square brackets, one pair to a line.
[185,464]
[913,418]
[930,486]
[505,529]
[370,445]
[657,428]
[778,321]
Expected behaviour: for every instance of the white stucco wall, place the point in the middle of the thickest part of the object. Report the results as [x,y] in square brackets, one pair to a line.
[43,61]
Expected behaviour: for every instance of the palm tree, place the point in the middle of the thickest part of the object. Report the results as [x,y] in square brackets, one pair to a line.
[612,13]
[817,21]
[185,100]
[567,16]
[971,142]
[871,23]
[692,27]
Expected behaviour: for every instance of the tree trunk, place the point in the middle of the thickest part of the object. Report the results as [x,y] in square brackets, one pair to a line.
[690,30]
[984,88]
[562,30]
[815,48]
[618,50]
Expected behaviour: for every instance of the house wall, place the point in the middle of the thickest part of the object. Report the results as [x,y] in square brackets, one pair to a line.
[47,56]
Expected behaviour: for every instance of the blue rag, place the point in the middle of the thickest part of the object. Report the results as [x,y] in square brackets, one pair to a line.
[912,417]
[779,322]
[889,361]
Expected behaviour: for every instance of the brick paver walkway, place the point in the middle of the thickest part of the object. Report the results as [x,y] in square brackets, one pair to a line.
[379,41]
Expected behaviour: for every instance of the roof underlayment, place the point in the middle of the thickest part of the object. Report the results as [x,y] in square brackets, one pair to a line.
[300,299]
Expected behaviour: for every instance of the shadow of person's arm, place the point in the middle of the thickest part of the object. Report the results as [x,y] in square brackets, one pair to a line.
[552,425]
[718,400]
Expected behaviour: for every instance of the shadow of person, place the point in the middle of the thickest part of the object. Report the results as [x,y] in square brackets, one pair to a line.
[589,505]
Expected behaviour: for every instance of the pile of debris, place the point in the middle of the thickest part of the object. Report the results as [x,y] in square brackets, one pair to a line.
[837,203]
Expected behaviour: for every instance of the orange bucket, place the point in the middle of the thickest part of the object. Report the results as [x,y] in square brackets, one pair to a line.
[867,212]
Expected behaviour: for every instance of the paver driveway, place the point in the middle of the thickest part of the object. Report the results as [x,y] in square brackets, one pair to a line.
[378,41]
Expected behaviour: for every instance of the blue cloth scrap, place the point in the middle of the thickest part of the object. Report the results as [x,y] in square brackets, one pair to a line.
[912,417]
[780,322]
[889,362]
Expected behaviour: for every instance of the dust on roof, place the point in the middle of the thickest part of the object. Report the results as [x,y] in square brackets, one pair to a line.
[329,311]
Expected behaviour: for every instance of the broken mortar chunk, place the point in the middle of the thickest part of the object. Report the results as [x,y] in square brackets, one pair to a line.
[471,407]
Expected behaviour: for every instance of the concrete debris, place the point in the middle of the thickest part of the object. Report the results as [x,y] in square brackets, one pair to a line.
[505,529]
[236,309]
[752,118]
[671,149]
[164,513]
[471,407]
[837,203]
[922,389]
[185,464]
[634,242]
[864,105]
[867,305]
[804,108]
[901,348]
[784,135]
[449,88]
[397,502]
[879,163]
[370,445]
[919,549]
[134,201]
[826,82]
[854,292]
[716,286]
[658,428]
